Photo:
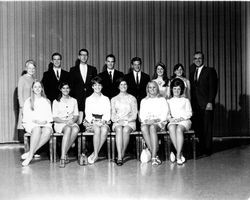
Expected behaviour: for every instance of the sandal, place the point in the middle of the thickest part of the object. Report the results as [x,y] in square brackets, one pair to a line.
[158,160]
[154,162]
[62,163]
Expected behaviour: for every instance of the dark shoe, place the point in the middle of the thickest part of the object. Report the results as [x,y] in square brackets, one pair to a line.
[62,163]
[119,162]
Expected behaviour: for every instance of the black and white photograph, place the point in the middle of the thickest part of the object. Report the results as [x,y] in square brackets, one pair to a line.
[130,100]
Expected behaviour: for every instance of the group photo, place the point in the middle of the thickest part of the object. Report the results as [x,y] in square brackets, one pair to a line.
[125,100]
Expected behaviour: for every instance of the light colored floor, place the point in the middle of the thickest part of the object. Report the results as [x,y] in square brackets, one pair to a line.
[224,175]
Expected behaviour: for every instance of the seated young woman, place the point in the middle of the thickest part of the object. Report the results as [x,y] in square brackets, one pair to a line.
[181,112]
[123,115]
[97,117]
[37,118]
[154,114]
[65,115]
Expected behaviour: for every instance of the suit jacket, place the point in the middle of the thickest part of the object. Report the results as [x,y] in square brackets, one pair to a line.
[138,91]
[80,89]
[204,90]
[110,89]
[51,84]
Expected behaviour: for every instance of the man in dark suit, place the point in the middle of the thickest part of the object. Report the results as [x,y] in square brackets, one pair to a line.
[80,80]
[137,80]
[109,77]
[53,77]
[203,81]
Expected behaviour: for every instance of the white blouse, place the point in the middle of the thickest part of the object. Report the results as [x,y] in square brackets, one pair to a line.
[99,105]
[154,108]
[180,107]
[41,112]
[65,110]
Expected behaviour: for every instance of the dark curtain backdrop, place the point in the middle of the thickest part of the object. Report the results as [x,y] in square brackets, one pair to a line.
[155,31]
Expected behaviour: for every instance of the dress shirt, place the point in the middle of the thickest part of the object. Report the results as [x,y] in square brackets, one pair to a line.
[57,70]
[139,76]
[83,70]
[112,73]
[199,71]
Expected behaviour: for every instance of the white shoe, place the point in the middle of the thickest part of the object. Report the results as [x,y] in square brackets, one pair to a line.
[37,156]
[26,162]
[179,161]
[25,155]
[183,159]
[172,157]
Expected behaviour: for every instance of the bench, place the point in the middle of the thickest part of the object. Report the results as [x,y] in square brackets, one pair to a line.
[190,135]
[54,137]
[88,133]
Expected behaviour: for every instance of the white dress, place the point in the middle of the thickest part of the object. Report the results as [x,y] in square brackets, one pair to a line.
[124,107]
[180,107]
[154,108]
[163,89]
[65,111]
[97,106]
[42,112]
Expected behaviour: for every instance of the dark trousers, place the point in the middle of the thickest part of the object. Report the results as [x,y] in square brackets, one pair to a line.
[203,126]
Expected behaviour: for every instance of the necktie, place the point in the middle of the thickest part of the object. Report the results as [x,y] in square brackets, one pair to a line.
[57,74]
[196,74]
[137,78]
[110,75]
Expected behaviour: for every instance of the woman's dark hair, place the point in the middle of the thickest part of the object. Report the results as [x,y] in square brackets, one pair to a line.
[119,80]
[165,76]
[59,88]
[96,79]
[177,67]
[175,83]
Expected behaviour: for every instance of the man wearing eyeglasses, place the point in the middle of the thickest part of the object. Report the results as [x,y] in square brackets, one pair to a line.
[203,82]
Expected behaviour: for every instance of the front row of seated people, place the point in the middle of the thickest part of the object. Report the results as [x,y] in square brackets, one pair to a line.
[155,113]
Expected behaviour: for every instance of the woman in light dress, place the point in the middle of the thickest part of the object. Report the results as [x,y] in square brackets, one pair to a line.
[154,114]
[65,116]
[37,119]
[97,117]
[24,87]
[161,78]
[181,112]
[123,115]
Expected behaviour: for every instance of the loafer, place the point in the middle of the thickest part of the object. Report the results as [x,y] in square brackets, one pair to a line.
[119,162]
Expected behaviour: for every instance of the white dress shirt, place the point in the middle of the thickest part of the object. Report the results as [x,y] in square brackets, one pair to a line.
[83,70]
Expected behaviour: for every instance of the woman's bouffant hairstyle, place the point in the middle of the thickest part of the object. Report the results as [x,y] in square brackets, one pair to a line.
[177,67]
[157,88]
[60,87]
[119,80]
[165,75]
[32,96]
[175,83]
[96,79]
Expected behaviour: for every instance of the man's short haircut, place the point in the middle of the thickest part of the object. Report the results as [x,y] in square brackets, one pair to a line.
[135,59]
[200,52]
[56,54]
[79,53]
[110,56]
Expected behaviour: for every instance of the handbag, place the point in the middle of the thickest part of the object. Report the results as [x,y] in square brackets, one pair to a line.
[145,154]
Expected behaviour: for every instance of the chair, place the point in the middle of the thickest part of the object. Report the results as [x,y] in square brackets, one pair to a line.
[138,137]
[84,149]
[54,137]
[26,139]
